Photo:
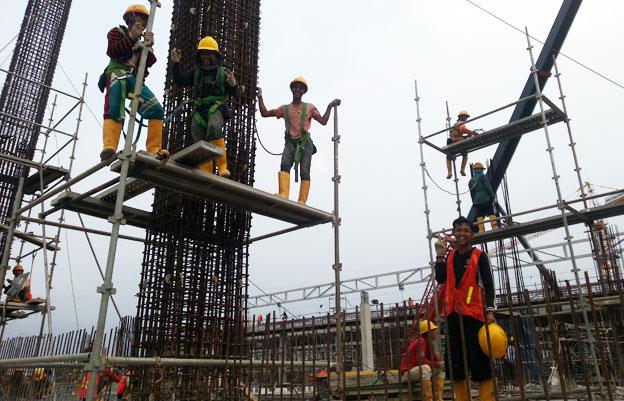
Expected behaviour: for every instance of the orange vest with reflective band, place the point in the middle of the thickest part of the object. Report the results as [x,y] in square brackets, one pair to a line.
[467,298]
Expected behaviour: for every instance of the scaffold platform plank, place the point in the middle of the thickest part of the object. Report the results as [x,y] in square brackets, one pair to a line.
[134,188]
[511,130]
[102,209]
[31,239]
[549,223]
[19,310]
[197,154]
[191,181]
[32,184]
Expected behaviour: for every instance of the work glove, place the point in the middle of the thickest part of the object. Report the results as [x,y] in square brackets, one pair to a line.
[175,55]
[259,92]
[440,246]
[136,31]
[148,37]
[229,78]
[334,103]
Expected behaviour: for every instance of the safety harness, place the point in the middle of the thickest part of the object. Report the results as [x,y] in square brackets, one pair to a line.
[304,138]
[213,102]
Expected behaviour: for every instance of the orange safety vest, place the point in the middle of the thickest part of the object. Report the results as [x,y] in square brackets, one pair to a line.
[456,132]
[467,298]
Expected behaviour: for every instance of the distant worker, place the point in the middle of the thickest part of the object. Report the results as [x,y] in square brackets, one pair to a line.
[41,384]
[458,132]
[119,79]
[482,197]
[18,289]
[298,147]
[468,284]
[421,360]
[212,85]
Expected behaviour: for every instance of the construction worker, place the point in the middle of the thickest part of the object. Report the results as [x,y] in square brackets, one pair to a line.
[24,294]
[482,197]
[119,79]
[298,147]
[41,384]
[467,281]
[458,132]
[421,361]
[212,85]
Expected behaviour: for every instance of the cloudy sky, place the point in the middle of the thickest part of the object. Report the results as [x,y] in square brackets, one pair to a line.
[368,53]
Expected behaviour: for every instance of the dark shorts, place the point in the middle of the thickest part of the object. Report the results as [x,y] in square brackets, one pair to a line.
[478,362]
[448,142]
[486,209]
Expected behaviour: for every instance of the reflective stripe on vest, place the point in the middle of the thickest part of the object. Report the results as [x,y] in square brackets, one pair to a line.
[467,298]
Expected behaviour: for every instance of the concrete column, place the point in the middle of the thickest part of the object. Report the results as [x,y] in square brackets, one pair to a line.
[366,330]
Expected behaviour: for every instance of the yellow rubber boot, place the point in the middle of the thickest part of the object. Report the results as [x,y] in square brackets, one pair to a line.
[481,224]
[463,166]
[427,391]
[449,169]
[111,132]
[486,390]
[439,387]
[494,223]
[206,167]
[222,160]
[283,179]
[153,144]
[304,190]
[460,387]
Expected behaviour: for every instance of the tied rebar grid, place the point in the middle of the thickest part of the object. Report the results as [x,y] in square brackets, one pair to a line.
[193,289]
[23,101]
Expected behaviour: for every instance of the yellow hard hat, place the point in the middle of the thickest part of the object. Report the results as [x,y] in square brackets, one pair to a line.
[39,374]
[498,340]
[426,325]
[18,267]
[478,165]
[208,43]
[137,9]
[301,80]
[463,113]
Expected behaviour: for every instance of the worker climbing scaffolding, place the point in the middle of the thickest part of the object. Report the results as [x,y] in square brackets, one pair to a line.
[482,196]
[298,146]
[119,78]
[18,289]
[458,132]
[212,85]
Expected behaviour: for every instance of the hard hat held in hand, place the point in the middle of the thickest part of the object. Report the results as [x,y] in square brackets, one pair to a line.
[426,325]
[498,340]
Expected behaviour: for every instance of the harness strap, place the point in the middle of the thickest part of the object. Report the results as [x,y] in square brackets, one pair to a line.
[303,140]
[213,102]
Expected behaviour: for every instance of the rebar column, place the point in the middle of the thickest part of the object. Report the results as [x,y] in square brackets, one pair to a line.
[193,288]
[34,58]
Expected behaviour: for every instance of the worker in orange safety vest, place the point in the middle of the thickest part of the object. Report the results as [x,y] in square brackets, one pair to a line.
[468,290]
[458,132]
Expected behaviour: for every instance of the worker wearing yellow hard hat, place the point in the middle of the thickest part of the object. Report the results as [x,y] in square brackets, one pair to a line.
[213,84]
[483,196]
[298,147]
[458,132]
[468,288]
[119,79]
[24,294]
[420,362]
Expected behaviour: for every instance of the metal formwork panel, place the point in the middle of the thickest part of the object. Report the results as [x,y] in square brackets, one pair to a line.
[192,301]
[23,101]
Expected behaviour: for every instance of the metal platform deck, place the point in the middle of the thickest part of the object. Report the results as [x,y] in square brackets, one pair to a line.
[30,238]
[512,130]
[549,223]
[32,184]
[20,310]
[191,181]
[100,208]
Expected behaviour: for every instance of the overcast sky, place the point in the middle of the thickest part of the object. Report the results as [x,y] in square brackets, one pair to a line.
[368,53]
